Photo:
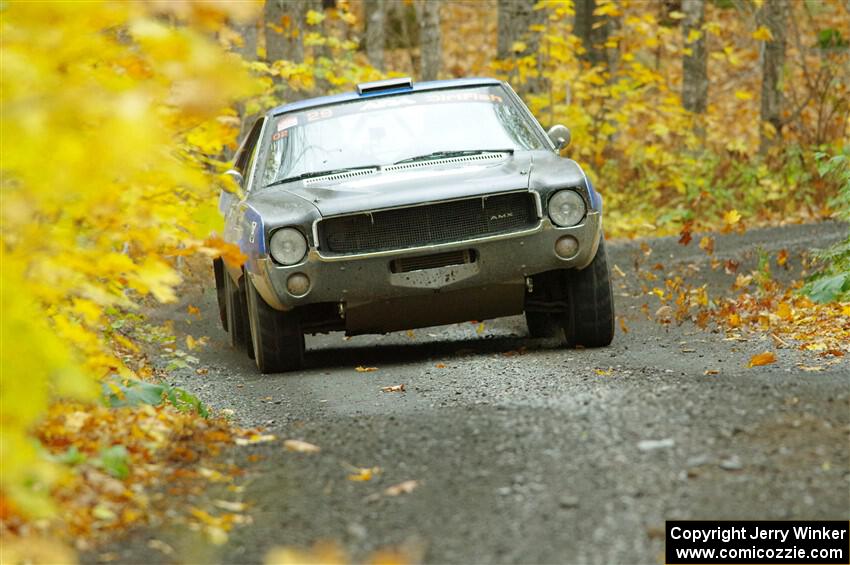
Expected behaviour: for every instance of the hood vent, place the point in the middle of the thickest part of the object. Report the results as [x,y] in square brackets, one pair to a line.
[340,176]
[448,161]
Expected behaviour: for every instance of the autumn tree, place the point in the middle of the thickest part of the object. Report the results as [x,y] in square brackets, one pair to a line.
[283,21]
[694,60]
[428,13]
[593,30]
[375,39]
[515,17]
[773,16]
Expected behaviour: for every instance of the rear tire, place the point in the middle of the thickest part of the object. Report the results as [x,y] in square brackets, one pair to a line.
[221,297]
[590,318]
[277,339]
[237,316]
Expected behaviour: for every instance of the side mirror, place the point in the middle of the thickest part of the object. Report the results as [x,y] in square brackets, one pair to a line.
[560,136]
[237,176]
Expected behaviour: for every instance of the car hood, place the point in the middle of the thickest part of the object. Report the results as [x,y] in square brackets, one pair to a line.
[421,182]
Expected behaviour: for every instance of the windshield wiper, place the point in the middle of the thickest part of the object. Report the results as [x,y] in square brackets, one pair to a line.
[448,154]
[321,174]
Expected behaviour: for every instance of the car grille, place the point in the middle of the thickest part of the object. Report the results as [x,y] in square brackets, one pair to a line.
[435,261]
[428,224]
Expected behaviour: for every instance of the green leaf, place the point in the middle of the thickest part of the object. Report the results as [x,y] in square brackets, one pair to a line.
[72,457]
[116,461]
[828,288]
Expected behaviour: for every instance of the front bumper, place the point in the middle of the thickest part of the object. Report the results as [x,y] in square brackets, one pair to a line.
[365,278]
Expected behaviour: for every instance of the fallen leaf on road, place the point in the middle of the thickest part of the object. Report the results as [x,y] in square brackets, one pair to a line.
[364,474]
[685,235]
[707,244]
[711,372]
[402,488]
[810,368]
[230,506]
[362,369]
[765,358]
[254,438]
[782,258]
[480,328]
[440,365]
[396,388]
[623,326]
[300,446]
[653,444]
[603,372]
[410,334]
[730,219]
[619,271]
[664,314]
[194,310]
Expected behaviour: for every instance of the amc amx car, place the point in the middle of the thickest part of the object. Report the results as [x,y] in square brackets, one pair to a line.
[405,205]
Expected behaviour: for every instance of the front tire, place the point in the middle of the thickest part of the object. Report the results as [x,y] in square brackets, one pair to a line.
[277,339]
[590,318]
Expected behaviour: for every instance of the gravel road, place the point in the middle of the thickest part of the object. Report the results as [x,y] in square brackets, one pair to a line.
[524,452]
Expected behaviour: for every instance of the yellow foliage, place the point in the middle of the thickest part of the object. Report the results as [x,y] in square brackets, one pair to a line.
[112,119]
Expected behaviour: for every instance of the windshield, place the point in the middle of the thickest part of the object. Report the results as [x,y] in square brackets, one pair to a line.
[382,131]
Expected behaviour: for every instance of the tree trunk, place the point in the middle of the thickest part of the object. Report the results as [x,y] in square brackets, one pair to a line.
[248,32]
[592,30]
[375,32]
[288,15]
[773,15]
[429,38]
[515,17]
[694,66]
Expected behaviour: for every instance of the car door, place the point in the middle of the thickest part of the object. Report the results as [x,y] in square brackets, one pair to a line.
[231,205]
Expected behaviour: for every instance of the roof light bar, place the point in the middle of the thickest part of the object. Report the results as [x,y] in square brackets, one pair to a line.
[388,84]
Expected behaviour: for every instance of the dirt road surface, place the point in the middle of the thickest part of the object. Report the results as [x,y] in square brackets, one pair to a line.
[524,452]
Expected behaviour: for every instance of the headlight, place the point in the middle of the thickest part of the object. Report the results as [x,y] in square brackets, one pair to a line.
[566,208]
[287,246]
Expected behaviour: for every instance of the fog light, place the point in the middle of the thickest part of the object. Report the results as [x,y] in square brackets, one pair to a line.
[298,284]
[566,247]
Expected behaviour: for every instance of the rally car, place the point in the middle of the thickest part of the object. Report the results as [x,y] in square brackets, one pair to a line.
[404,205]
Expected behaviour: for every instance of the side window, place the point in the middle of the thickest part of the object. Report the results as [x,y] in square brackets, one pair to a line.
[247,151]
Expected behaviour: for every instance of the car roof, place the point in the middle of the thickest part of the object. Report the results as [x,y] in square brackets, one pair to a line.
[350,96]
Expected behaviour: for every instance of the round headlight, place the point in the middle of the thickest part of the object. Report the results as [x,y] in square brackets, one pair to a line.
[566,208]
[287,246]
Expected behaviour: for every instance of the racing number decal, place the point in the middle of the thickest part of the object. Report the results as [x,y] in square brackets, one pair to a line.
[321,114]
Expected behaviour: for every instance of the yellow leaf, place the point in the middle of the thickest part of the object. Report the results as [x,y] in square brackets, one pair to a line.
[743,95]
[254,438]
[362,369]
[158,278]
[761,359]
[762,34]
[364,474]
[314,17]
[518,47]
[731,217]
[693,35]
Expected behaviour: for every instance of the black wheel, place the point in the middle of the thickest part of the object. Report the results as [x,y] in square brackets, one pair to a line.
[545,305]
[542,324]
[589,321]
[237,316]
[277,338]
[221,297]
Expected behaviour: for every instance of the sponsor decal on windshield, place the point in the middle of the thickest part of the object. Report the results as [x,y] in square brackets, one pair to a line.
[491,95]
